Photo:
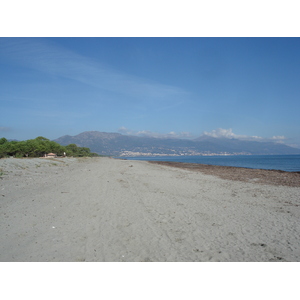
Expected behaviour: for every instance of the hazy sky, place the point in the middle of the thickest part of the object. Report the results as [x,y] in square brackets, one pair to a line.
[183,87]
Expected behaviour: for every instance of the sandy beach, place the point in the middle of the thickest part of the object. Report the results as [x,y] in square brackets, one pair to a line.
[109,210]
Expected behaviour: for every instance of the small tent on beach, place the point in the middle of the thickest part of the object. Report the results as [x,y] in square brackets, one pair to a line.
[49,155]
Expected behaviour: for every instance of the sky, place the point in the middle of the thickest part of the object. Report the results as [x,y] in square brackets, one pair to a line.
[246,88]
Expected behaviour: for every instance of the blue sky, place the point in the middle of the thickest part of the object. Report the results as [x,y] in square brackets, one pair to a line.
[246,88]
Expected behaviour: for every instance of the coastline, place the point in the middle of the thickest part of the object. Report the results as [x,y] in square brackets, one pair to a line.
[262,176]
[104,209]
[289,163]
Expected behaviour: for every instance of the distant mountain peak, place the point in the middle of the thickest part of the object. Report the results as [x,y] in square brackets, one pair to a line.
[98,134]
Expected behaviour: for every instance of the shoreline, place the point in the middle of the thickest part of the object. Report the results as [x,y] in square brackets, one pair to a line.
[262,176]
[287,163]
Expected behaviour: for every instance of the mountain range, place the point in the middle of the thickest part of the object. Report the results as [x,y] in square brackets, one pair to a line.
[116,144]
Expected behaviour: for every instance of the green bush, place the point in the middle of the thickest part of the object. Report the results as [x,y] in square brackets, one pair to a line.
[40,146]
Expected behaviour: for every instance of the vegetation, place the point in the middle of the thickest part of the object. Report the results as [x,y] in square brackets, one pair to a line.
[1,173]
[40,146]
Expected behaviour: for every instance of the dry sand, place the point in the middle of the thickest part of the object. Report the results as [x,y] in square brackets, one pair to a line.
[102,209]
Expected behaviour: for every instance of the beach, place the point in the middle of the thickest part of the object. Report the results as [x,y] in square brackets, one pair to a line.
[113,210]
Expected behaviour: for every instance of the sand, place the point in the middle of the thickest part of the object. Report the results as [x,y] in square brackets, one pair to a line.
[109,210]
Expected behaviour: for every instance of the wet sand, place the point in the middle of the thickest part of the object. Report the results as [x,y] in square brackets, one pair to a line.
[102,209]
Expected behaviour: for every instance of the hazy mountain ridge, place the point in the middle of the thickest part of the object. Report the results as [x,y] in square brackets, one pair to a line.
[117,144]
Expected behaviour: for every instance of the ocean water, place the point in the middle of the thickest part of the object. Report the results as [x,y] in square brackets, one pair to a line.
[289,163]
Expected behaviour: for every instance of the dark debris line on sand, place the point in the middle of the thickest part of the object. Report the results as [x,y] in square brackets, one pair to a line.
[272,177]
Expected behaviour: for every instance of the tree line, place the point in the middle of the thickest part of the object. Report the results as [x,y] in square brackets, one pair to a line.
[40,146]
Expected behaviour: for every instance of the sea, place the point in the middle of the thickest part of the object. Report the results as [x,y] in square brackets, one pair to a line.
[289,163]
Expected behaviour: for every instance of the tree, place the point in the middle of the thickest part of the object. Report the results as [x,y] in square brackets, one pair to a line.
[71,149]
[3,141]
[83,151]
[39,147]
[41,138]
